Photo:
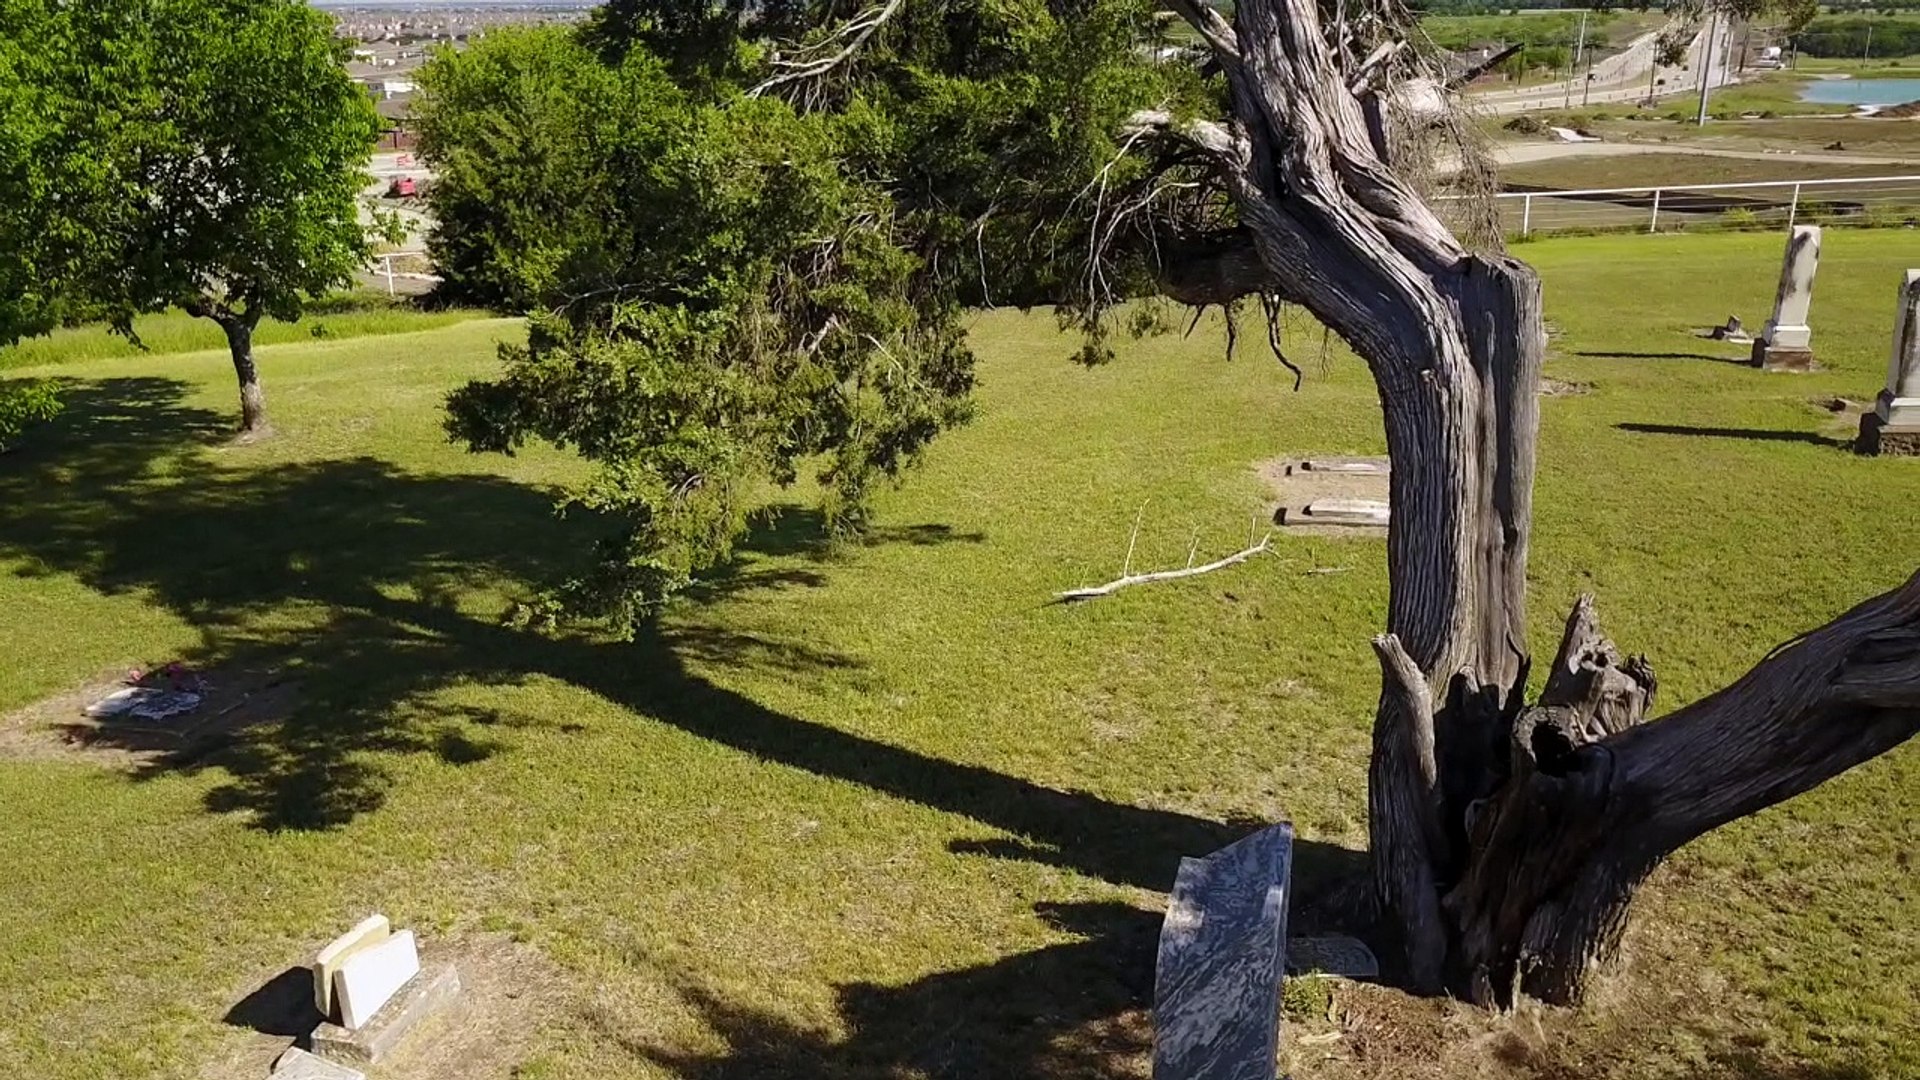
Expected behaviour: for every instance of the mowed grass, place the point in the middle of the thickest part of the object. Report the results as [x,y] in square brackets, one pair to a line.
[1678,168]
[344,316]
[884,811]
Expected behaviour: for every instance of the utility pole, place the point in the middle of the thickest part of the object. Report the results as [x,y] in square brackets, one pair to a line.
[1573,72]
[1586,83]
[1706,69]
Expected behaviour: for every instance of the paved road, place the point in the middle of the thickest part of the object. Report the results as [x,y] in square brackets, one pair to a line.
[1619,78]
[381,172]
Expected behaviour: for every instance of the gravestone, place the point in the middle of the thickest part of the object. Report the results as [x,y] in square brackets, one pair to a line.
[371,931]
[1893,426]
[1216,993]
[371,975]
[1369,512]
[382,992]
[1332,954]
[1786,343]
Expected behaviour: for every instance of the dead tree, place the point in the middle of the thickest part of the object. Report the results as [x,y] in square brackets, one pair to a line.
[1508,838]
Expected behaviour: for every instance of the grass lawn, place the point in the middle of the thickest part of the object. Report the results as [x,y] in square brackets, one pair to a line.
[1784,135]
[1878,67]
[344,316]
[884,812]
[1673,169]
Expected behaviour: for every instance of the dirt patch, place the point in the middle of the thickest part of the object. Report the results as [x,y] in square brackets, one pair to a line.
[1294,487]
[1550,387]
[58,727]
[508,993]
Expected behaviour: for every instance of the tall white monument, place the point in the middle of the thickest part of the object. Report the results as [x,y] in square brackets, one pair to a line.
[1893,427]
[1786,344]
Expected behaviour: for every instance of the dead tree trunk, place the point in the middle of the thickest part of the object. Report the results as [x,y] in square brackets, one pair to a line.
[1507,839]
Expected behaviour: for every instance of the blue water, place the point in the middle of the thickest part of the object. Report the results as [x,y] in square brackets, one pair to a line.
[1862,91]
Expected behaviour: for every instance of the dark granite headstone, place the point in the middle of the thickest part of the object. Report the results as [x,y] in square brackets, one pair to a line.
[1216,995]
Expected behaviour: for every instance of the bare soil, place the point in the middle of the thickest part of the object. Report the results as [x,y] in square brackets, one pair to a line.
[58,727]
[1294,487]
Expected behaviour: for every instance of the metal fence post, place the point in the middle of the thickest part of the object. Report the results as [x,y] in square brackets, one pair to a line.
[1793,208]
[1526,214]
[1654,221]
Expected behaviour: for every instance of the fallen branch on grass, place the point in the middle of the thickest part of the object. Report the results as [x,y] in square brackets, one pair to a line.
[1072,596]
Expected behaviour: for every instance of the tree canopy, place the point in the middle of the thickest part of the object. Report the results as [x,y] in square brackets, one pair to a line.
[748,253]
[201,154]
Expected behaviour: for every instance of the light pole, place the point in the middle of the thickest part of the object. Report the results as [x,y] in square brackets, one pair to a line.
[1706,69]
[1579,50]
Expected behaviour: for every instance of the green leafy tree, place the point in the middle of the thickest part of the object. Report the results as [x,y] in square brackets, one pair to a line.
[770,272]
[221,147]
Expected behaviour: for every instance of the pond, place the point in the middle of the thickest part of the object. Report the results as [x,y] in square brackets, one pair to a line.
[1861,91]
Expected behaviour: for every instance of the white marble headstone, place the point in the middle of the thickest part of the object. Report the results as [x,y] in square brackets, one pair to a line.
[1899,404]
[372,975]
[371,931]
[1794,298]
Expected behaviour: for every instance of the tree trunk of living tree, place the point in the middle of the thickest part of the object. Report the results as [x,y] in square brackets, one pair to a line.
[1508,838]
[253,400]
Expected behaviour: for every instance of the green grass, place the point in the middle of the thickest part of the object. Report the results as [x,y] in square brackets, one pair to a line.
[1783,136]
[1538,28]
[1777,93]
[1878,67]
[1679,167]
[884,812]
[345,316]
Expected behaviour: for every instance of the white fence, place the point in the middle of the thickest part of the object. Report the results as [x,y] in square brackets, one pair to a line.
[1877,199]
[386,269]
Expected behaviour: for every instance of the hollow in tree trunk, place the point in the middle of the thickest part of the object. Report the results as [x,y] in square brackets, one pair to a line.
[1507,838]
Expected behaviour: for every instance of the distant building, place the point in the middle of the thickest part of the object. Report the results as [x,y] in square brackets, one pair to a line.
[392,88]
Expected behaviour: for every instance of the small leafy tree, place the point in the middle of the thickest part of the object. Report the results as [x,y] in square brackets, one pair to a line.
[226,149]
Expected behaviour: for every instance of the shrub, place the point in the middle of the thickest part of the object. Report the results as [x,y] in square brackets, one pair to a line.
[1308,997]
[23,404]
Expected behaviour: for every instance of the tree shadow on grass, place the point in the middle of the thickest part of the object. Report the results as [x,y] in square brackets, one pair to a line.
[1071,1010]
[1752,434]
[372,587]
[1615,354]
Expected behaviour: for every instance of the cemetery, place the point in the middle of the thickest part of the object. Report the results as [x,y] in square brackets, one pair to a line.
[931,542]
[845,809]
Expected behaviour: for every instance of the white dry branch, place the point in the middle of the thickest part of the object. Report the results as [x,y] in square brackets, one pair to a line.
[819,58]
[1073,596]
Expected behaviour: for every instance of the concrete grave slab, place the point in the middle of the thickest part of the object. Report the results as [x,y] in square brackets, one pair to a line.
[431,990]
[1350,466]
[369,976]
[326,964]
[297,1064]
[1332,954]
[1347,512]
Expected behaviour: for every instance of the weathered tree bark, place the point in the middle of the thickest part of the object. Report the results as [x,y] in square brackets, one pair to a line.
[1507,839]
[238,325]
[253,400]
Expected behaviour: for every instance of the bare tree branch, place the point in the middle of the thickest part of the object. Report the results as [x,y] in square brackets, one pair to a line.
[811,65]
[1072,596]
